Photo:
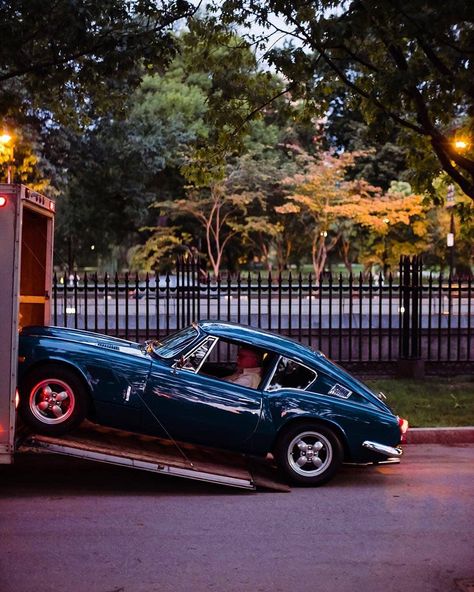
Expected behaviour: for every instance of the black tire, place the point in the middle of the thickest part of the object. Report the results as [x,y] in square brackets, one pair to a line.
[309,454]
[53,400]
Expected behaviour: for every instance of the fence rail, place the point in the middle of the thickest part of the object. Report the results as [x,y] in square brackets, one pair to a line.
[354,319]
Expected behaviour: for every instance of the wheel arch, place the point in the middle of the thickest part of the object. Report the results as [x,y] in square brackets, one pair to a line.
[58,362]
[295,421]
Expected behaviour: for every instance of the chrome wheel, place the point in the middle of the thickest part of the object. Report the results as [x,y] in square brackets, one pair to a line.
[309,454]
[52,401]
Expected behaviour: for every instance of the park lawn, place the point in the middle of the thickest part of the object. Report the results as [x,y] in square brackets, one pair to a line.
[431,402]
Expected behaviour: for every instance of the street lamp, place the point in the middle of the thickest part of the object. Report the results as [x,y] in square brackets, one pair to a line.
[450,237]
[5,140]
[461,144]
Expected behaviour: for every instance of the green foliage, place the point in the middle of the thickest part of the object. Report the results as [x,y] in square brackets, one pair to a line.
[160,251]
[118,167]
[431,402]
[237,92]
[141,117]
[404,63]
[23,158]
[77,59]
[382,159]
[68,68]
[166,119]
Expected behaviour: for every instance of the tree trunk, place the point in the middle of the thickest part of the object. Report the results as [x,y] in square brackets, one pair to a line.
[345,245]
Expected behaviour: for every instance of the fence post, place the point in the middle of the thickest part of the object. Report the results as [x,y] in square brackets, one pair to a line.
[410,363]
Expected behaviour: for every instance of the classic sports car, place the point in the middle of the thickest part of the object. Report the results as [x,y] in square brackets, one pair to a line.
[307,411]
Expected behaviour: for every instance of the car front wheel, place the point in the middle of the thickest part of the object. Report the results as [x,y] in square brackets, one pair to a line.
[53,400]
[309,454]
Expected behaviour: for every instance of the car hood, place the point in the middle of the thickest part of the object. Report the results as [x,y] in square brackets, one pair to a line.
[84,337]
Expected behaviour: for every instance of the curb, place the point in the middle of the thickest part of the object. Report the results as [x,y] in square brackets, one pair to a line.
[440,435]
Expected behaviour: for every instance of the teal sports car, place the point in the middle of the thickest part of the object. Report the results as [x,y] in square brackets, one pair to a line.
[304,409]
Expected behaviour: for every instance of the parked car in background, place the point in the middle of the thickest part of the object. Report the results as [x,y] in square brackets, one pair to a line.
[306,411]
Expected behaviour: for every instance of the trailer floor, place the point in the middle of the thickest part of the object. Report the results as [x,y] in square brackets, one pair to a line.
[181,459]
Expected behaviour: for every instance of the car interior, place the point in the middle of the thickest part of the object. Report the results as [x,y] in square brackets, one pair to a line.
[217,358]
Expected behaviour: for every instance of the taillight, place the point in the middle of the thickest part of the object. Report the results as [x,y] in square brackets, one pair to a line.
[403,425]
[3,201]
[17,399]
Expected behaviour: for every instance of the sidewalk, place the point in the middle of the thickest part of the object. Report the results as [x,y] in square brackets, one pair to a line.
[441,435]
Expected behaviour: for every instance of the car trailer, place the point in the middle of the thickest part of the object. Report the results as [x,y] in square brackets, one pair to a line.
[27,231]
[148,453]
[26,256]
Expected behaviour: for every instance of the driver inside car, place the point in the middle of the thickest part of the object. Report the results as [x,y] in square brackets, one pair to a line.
[249,368]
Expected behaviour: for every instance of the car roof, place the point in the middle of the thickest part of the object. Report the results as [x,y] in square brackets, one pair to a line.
[259,338]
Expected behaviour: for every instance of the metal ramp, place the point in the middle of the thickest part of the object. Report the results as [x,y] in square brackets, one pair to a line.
[148,453]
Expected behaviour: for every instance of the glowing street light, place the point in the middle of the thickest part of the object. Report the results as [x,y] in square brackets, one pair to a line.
[5,138]
[461,144]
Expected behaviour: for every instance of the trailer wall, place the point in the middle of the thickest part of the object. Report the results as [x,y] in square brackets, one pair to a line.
[26,250]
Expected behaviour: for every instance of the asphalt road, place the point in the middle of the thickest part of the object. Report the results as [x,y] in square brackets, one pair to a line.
[68,525]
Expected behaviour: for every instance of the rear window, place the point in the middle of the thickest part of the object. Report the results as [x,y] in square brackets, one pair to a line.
[291,374]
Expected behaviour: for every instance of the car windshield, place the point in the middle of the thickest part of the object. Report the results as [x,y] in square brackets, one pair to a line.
[174,344]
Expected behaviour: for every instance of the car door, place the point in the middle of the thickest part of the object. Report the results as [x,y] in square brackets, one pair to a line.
[195,407]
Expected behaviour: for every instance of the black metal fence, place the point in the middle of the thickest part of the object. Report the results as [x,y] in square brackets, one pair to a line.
[356,320]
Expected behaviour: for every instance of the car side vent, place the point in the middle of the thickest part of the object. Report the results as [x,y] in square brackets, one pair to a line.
[109,346]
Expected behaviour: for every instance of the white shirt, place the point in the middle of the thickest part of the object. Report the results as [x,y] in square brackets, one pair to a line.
[250,377]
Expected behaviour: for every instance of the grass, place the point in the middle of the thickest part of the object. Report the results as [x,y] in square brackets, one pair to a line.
[431,402]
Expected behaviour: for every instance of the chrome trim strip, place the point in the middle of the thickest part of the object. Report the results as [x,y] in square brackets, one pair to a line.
[270,378]
[214,340]
[382,448]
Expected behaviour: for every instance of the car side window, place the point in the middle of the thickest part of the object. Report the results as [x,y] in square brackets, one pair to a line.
[291,374]
[196,358]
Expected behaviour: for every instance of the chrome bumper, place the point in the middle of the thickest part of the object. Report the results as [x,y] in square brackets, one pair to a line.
[383,449]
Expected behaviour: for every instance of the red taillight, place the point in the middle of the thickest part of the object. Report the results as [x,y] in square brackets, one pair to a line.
[403,424]
[3,201]
[17,399]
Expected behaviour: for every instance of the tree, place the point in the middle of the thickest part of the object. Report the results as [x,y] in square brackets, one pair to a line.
[336,212]
[219,214]
[22,156]
[383,159]
[257,176]
[406,63]
[68,61]
[390,225]
[237,92]
[312,196]
[161,250]
[117,167]
[174,107]
[67,70]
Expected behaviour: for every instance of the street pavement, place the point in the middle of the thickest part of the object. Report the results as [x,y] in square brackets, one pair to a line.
[70,525]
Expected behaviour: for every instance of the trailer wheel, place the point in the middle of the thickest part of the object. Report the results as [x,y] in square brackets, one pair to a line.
[309,454]
[53,400]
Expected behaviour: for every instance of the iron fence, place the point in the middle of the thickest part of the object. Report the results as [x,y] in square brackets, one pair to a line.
[353,319]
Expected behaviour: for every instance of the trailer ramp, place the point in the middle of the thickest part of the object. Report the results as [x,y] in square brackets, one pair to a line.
[147,453]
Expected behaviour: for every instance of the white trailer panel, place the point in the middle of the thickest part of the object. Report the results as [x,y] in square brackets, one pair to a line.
[26,250]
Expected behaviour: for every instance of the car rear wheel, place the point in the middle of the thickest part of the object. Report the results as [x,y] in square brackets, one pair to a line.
[53,400]
[309,454]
